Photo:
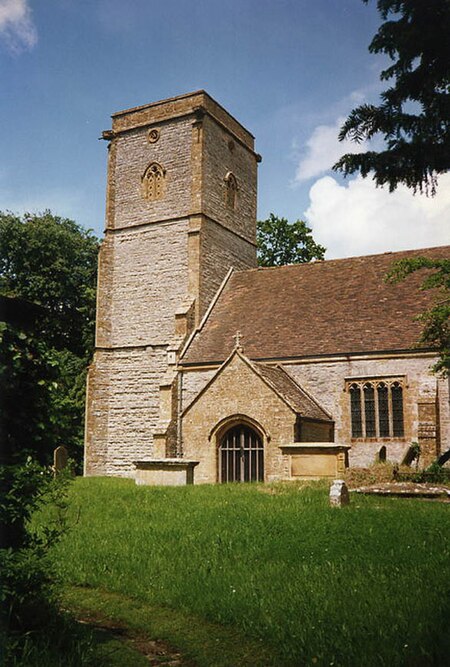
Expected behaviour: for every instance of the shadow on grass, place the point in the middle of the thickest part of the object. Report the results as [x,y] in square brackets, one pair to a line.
[122,624]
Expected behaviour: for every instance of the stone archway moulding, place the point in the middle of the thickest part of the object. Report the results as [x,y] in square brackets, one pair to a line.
[233,420]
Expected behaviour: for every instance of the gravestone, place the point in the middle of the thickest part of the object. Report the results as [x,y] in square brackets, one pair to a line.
[60,458]
[339,495]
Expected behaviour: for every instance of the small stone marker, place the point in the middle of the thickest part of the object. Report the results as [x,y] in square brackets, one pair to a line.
[339,495]
[60,458]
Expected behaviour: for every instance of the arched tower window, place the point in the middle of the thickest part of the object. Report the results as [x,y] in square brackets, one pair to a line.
[230,191]
[241,455]
[153,182]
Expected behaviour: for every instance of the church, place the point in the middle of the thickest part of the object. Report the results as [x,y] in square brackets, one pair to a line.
[209,369]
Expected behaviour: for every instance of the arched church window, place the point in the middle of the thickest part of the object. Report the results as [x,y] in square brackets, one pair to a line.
[369,410]
[355,404]
[383,410]
[153,182]
[397,409]
[241,455]
[376,408]
[230,191]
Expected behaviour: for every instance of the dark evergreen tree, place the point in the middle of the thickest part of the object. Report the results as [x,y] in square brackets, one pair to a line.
[414,114]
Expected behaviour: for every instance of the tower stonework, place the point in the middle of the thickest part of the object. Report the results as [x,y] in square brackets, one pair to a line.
[180,211]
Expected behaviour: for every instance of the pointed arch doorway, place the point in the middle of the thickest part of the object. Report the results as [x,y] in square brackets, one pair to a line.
[241,455]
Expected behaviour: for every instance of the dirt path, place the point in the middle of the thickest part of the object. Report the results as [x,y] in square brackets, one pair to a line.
[155,651]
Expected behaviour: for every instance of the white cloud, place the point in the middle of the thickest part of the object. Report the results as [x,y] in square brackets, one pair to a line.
[17,29]
[323,149]
[358,218]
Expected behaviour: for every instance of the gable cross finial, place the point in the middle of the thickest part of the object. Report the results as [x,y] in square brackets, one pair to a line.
[237,337]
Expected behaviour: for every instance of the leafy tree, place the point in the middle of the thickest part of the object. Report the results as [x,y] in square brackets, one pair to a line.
[436,320]
[280,242]
[52,262]
[414,113]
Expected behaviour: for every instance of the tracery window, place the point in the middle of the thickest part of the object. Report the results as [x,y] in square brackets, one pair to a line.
[153,182]
[230,190]
[376,408]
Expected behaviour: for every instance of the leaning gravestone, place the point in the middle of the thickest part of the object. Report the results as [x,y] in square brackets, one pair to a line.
[339,495]
[60,458]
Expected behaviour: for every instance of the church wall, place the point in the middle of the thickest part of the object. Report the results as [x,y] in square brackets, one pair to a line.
[219,159]
[133,153]
[144,259]
[221,249]
[444,413]
[123,408]
[193,383]
[327,383]
[237,390]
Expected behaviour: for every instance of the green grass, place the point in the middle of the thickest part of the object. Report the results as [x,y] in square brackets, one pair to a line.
[364,585]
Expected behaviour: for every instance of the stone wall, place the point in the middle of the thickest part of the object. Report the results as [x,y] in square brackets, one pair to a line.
[133,154]
[326,381]
[223,154]
[144,260]
[221,249]
[123,408]
[443,414]
[193,383]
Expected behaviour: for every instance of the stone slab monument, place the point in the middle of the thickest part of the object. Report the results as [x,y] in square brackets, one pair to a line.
[60,459]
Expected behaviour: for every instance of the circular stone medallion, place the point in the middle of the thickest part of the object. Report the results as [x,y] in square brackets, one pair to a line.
[153,136]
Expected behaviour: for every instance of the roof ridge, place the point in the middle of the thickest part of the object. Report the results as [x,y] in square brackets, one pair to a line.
[315,262]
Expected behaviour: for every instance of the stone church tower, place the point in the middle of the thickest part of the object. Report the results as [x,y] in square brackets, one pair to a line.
[180,211]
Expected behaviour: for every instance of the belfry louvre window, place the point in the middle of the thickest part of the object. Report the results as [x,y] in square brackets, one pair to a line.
[153,182]
[230,190]
[376,408]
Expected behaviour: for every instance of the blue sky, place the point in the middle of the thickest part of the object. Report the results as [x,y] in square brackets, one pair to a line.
[289,70]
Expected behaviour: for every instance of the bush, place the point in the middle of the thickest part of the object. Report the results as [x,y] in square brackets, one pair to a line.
[27,587]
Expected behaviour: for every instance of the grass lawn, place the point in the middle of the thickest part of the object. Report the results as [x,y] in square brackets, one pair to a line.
[268,569]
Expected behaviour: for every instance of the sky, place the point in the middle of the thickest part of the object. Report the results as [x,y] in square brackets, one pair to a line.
[289,70]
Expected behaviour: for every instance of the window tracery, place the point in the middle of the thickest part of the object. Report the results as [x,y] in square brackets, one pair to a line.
[153,182]
[376,408]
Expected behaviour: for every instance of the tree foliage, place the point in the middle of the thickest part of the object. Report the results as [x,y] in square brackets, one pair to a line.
[52,262]
[436,320]
[280,242]
[414,114]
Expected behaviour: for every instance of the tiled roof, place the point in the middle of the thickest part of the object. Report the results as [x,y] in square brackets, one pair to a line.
[341,306]
[291,392]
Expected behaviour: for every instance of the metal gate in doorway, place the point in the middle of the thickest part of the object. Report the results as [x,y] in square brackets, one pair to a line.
[241,455]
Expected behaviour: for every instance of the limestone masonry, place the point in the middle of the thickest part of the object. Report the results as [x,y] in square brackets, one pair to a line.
[208,369]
